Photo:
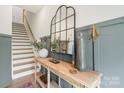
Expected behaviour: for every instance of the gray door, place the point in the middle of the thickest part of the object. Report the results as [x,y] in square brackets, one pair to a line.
[109,52]
[5,60]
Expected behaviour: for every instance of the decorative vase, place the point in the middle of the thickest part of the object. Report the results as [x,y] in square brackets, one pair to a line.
[43,52]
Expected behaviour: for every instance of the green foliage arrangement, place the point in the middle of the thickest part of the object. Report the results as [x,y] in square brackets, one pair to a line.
[39,45]
[55,45]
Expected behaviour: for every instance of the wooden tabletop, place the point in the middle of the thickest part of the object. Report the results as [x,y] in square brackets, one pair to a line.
[89,78]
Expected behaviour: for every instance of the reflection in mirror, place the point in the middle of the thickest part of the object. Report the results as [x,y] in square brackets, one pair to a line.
[63,36]
[70,12]
[63,42]
[63,12]
[58,16]
[62,33]
[55,46]
[53,22]
[70,22]
[70,35]
[63,25]
[58,36]
[57,41]
[57,27]
[70,47]
[52,40]
[53,28]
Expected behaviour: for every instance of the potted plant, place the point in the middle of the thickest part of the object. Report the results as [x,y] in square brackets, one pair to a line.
[41,48]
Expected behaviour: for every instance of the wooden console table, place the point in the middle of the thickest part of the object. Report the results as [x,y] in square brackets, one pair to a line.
[90,79]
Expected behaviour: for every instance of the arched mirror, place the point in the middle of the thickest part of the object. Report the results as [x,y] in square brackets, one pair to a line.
[62,31]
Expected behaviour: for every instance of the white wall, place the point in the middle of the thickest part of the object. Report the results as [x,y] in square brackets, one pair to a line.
[6,19]
[17,14]
[85,15]
[40,22]
[93,14]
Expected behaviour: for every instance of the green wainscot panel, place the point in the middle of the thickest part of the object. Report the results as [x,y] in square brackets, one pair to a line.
[109,52]
[5,60]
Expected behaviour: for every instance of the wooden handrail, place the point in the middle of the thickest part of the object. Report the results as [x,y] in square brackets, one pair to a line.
[26,20]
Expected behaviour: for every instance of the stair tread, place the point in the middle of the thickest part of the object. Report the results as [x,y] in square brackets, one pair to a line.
[23,70]
[15,27]
[19,33]
[23,66]
[19,30]
[23,58]
[20,41]
[23,49]
[23,53]
[21,38]
[21,45]
[24,63]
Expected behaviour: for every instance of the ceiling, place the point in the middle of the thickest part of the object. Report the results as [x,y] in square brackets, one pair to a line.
[31,8]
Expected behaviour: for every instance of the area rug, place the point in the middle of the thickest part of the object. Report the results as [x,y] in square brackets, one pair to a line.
[26,85]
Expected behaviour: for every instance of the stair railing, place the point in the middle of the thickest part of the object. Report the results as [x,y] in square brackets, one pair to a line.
[29,31]
[27,25]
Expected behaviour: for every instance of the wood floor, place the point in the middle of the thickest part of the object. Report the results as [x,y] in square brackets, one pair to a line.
[18,83]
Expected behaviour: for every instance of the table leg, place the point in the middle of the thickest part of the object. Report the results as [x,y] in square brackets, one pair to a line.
[48,78]
[35,72]
[59,82]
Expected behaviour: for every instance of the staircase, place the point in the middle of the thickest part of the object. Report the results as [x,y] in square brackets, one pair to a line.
[22,52]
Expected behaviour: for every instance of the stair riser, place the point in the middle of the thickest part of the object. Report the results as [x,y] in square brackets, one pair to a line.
[23,60]
[19,34]
[19,31]
[20,38]
[23,66]
[23,70]
[22,55]
[22,43]
[20,47]
[17,26]
[15,36]
[17,41]
[19,75]
[20,64]
[21,51]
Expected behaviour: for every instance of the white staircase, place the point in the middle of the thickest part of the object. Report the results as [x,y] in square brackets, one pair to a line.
[22,52]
